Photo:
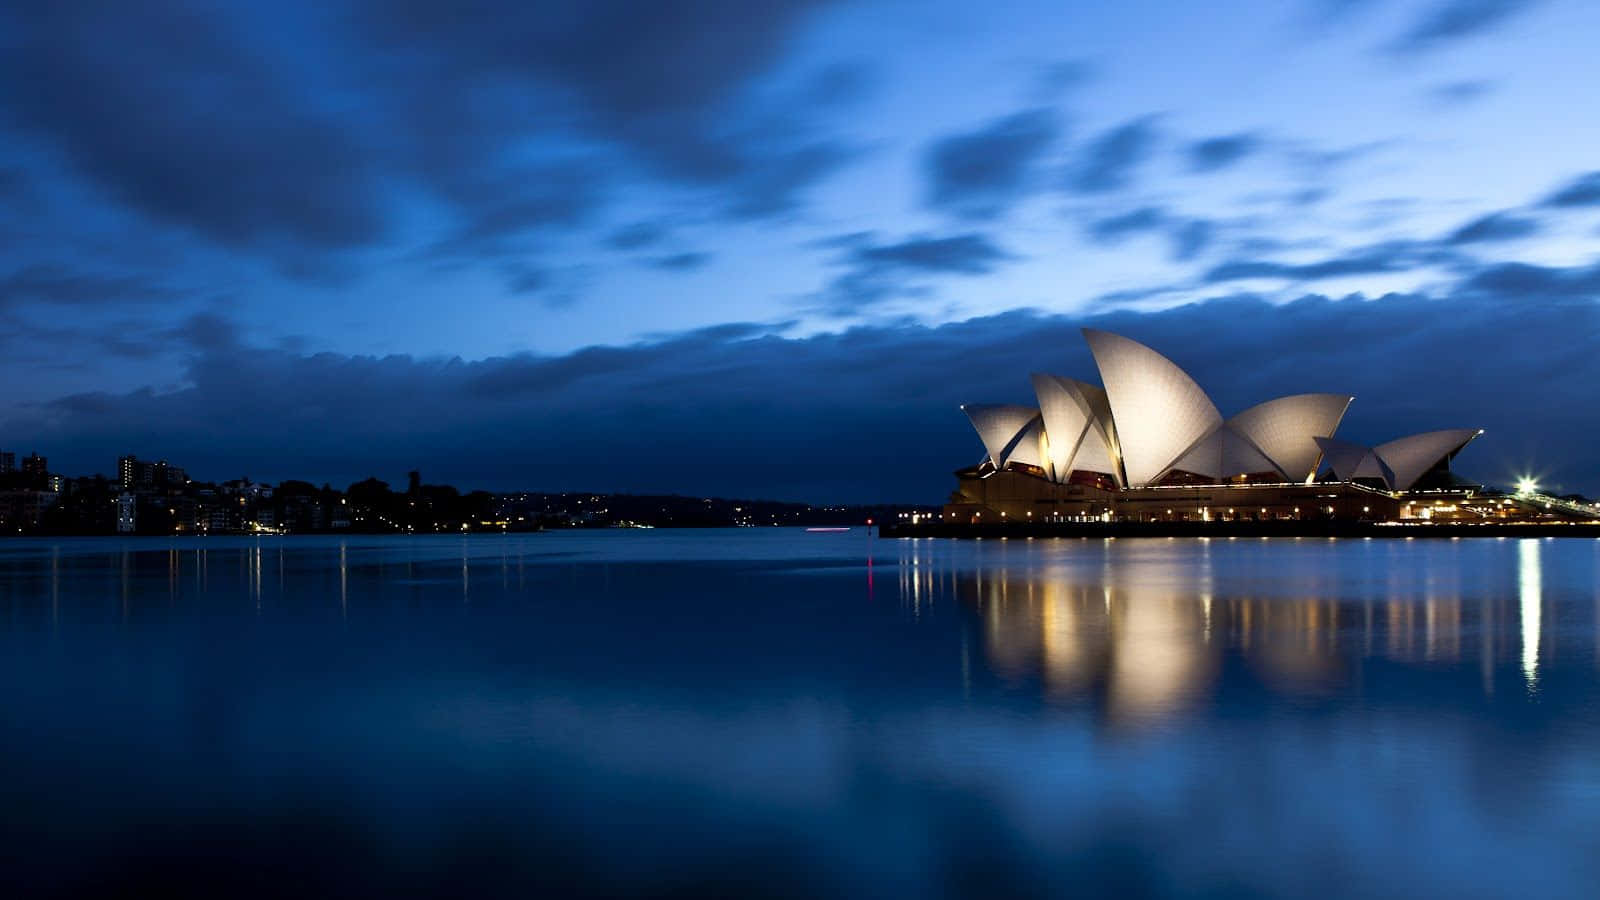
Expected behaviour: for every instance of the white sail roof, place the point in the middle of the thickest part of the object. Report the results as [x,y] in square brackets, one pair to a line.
[1158,411]
[1411,457]
[1076,424]
[1000,426]
[1066,420]
[1285,430]
[1028,449]
[1223,454]
[1350,461]
[1098,452]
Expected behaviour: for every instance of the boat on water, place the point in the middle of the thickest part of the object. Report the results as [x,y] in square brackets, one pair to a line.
[828,530]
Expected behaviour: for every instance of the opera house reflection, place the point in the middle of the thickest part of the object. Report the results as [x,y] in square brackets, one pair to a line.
[1146,631]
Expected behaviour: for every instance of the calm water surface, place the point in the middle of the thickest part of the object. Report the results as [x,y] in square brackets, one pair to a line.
[775,713]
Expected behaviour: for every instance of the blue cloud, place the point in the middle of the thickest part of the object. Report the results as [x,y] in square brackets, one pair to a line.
[981,173]
[1137,221]
[1500,226]
[1391,256]
[1191,238]
[1448,21]
[682,262]
[1109,161]
[875,272]
[1216,153]
[1458,93]
[1581,191]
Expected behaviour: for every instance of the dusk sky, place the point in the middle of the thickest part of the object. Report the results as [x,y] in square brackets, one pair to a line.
[765,248]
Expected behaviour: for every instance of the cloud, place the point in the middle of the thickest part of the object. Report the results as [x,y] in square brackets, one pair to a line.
[57,285]
[1138,221]
[1109,161]
[667,85]
[171,112]
[526,279]
[1581,191]
[1330,11]
[1459,93]
[1390,256]
[869,413]
[463,130]
[980,174]
[1061,76]
[774,186]
[681,262]
[1191,238]
[876,272]
[1187,238]
[636,236]
[1522,281]
[1216,153]
[1500,226]
[966,254]
[1447,21]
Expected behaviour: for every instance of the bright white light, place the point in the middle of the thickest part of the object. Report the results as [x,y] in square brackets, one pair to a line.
[1530,599]
[1526,486]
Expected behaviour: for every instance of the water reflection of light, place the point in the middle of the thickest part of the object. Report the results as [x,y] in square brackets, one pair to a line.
[1529,597]
[1158,665]
[1140,631]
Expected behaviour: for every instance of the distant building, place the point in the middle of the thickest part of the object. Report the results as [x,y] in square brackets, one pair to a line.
[22,510]
[36,466]
[127,513]
[8,462]
[134,474]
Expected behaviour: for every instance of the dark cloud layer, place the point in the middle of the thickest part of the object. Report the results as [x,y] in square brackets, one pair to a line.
[869,413]
[167,109]
[305,132]
[981,173]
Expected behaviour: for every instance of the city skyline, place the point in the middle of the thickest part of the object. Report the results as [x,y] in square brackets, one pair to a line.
[768,249]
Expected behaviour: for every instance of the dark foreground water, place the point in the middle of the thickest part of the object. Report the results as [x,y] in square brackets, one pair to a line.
[774,713]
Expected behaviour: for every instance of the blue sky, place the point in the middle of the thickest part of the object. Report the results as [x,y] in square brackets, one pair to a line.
[531,243]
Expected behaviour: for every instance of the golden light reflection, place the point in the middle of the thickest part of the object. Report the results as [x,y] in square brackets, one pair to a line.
[1141,635]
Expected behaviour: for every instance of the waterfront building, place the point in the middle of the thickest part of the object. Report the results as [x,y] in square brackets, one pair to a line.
[127,513]
[36,467]
[1148,444]
[134,474]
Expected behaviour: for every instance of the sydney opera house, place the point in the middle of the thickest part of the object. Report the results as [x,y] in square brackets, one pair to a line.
[1148,444]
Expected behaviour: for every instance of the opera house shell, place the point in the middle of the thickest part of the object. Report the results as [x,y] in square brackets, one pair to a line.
[1148,425]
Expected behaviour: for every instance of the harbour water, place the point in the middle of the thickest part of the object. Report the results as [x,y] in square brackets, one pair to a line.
[767,712]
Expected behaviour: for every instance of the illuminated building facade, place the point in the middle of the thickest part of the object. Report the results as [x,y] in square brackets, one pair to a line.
[1148,444]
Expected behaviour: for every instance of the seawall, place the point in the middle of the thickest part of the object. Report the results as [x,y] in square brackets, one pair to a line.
[1266,529]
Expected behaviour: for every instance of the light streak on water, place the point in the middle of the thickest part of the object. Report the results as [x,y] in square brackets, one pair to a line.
[1529,594]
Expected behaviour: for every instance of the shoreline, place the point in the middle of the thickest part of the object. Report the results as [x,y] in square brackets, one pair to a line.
[1286,529]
